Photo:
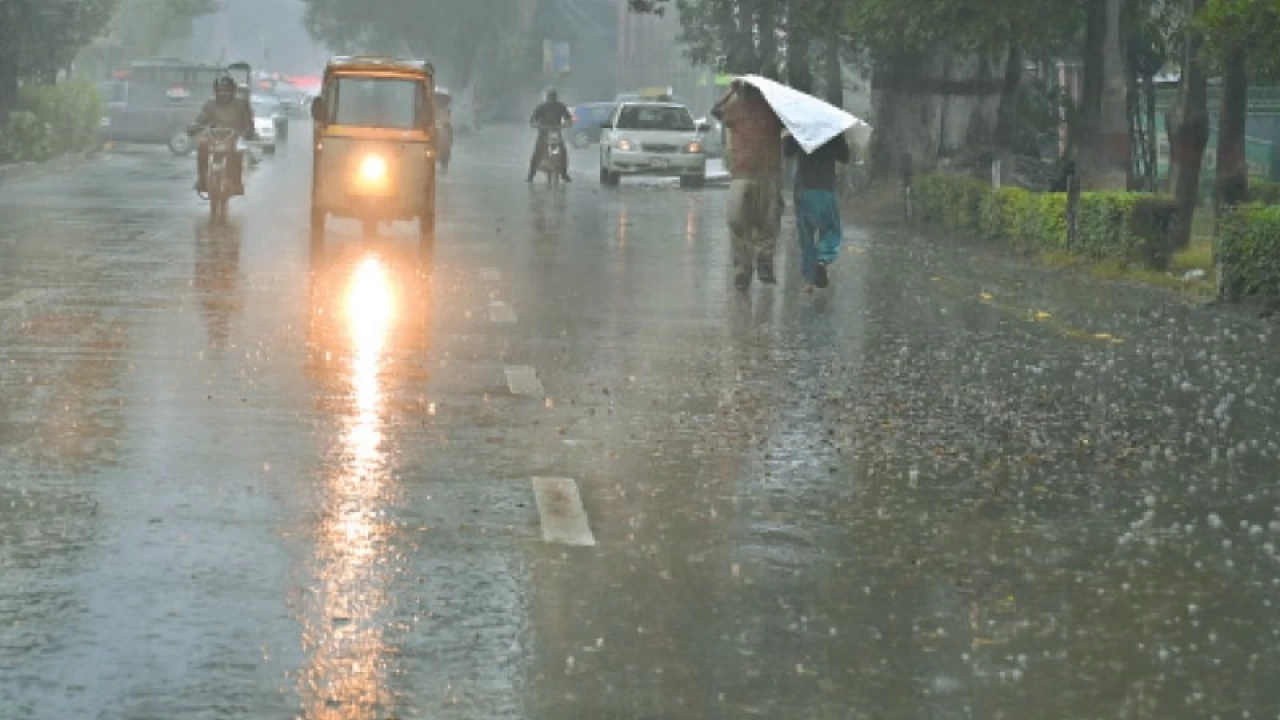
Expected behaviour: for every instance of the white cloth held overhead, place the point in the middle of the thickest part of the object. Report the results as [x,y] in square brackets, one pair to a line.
[812,122]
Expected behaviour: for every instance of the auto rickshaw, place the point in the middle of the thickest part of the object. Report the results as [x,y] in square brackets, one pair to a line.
[444,126]
[375,144]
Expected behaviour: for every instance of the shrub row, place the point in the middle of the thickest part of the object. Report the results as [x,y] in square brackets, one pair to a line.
[1249,252]
[1121,225]
[51,120]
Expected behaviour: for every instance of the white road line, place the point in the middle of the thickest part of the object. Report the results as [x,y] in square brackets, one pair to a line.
[22,297]
[501,312]
[564,520]
[523,380]
[490,274]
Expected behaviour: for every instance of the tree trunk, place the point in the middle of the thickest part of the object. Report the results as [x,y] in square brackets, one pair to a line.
[1189,133]
[929,107]
[1007,118]
[1106,165]
[1153,142]
[832,68]
[799,74]
[8,89]
[741,56]
[1094,70]
[768,44]
[1082,128]
[1232,186]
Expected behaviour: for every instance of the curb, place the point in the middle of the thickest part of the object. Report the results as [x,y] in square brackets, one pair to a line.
[54,166]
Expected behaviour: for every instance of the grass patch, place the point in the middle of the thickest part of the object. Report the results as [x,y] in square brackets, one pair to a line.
[1197,256]
[1060,260]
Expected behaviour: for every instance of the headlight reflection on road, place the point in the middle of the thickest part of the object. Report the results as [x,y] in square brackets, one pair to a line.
[343,678]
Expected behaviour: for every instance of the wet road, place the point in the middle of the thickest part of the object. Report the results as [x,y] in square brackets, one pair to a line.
[241,481]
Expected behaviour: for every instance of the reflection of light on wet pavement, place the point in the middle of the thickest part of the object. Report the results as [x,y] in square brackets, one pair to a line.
[343,677]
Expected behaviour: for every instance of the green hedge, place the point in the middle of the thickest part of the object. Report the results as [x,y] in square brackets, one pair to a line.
[1249,251]
[52,120]
[1126,226]
[1264,192]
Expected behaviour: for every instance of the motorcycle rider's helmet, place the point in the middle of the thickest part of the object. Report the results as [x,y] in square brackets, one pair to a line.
[224,83]
[552,95]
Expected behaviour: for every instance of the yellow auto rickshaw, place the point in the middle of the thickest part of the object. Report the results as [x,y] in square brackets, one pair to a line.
[374,144]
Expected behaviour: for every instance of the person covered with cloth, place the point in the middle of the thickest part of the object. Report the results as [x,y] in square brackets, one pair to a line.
[817,212]
[755,186]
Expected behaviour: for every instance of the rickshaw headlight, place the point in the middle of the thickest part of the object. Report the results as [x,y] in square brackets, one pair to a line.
[373,169]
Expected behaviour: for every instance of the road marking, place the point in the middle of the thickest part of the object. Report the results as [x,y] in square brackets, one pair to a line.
[523,380]
[501,312]
[490,274]
[564,520]
[22,297]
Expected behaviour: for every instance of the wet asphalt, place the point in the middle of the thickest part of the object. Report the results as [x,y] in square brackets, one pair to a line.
[239,479]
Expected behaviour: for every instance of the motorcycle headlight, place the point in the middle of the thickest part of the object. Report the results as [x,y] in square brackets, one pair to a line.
[624,145]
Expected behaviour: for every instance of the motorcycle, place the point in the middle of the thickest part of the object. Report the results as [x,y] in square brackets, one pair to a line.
[218,183]
[553,160]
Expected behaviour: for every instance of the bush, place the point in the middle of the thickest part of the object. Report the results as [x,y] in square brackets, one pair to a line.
[1249,251]
[25,138]
[1103,225]
[1264,192]
[1126,226]
[52,120]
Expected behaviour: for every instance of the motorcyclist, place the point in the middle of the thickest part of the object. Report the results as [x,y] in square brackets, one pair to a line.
[225,110]
[551,113]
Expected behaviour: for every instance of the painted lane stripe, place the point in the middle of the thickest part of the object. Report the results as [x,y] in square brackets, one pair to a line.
[523,380]
[490,274]
[22,297]
[500,312]
[564,520]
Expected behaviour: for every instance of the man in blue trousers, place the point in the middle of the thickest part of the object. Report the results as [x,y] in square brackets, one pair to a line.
[817,212]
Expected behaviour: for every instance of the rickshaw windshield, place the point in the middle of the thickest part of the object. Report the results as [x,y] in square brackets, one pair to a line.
[381,102]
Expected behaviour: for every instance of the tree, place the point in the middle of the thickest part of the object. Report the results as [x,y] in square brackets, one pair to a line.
[943,70]
[1240,39]
[1189,129]
[142,28]
[450,34]
[39,38]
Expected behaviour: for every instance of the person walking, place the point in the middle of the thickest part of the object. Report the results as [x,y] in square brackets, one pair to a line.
[817,212]
[755,186]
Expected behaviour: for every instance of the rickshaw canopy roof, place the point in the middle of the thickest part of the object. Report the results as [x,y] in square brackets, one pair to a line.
[378,64]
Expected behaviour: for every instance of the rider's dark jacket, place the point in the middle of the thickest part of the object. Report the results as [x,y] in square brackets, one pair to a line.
[236,115]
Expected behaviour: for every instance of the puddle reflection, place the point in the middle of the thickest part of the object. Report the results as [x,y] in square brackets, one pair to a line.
[217,277]
[361,298]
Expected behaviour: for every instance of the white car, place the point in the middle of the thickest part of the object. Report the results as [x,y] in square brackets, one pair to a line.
[267,114]
[652,138]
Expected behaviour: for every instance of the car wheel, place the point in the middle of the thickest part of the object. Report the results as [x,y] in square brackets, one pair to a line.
[180,143]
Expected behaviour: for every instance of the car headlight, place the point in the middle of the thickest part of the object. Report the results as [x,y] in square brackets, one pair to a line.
[693,147]
[624,145]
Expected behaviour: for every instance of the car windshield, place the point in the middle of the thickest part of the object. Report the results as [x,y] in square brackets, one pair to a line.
[655,117]
[377,102]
